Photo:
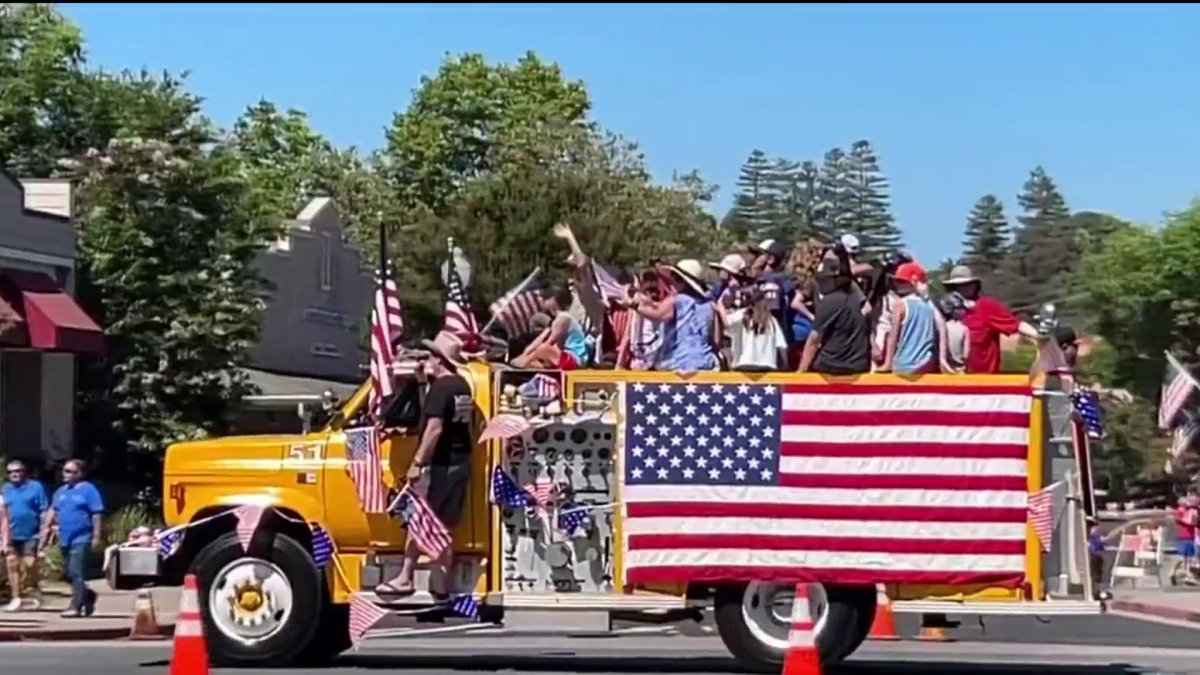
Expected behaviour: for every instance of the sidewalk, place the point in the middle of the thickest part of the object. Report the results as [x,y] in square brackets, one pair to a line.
[113,618]
[1176,604]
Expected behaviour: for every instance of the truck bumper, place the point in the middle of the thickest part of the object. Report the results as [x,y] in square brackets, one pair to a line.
[132,567]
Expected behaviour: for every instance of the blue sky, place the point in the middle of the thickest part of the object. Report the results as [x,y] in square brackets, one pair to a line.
[959,101]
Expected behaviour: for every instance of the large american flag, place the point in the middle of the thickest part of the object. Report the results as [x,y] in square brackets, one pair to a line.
[362,462]
[825,482]
[387,326]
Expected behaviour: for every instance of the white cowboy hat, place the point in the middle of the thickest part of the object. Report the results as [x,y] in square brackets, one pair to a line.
[690,272]
[732,263]
[446,346]
[960,274]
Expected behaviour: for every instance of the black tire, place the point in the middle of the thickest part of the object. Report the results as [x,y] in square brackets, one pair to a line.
[850,612]
[331,639]
[286,645]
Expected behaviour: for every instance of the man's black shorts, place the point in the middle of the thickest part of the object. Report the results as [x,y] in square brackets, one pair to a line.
[447,491]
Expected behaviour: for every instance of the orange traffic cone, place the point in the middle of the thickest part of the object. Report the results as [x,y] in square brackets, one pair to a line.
[189,654]
[884,625]
[801,657]
[145,623]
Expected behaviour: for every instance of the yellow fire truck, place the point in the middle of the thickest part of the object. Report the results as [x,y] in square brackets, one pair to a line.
[274,605]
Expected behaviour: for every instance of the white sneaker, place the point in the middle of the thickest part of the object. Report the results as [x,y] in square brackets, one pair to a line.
[14,606]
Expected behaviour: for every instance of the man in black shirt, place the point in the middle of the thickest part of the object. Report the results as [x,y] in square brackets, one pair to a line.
[839,343]
[441,465]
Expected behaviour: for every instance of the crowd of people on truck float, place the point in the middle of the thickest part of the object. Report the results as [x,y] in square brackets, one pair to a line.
[772,306]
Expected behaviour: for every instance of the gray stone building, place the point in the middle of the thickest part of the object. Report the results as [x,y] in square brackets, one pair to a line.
[43,332]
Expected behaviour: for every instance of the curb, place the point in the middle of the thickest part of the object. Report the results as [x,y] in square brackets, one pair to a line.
[105,633]
[1172,613]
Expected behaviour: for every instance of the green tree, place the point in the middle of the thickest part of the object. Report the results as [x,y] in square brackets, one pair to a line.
[458,117]
[987,235]
[754,205]
[833,206]
[169,236]
[868,210]
[41,59]
[288,163]
[1044,248]
[495,155]
[794,185]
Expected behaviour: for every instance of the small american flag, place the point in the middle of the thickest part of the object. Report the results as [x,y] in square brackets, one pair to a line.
[248,517]
[504,426]
[465,605]
[362,461]
[364,614]
[542,388]
[322,546]
[458,318]
[1177,388]
[387,327]
[168,544]
[505,492]
[828,482]
[572,520]
[422,523]
[516,308]
[542,492]
[1041,514]
[1087,403]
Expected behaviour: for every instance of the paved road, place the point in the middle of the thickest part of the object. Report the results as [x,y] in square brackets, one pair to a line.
[1096,646]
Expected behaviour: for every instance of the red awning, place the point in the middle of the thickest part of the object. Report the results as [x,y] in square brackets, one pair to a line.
[53,318]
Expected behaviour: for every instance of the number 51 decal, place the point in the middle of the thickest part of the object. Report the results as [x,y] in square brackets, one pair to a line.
[306,452]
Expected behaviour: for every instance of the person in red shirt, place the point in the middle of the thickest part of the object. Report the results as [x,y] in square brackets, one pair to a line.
[986,319]
[1186,517]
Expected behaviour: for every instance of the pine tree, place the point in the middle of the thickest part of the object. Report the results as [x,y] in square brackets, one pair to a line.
[792,188]
[1043,249]
[753,207]
[987,235]
[832,212]
[868,207]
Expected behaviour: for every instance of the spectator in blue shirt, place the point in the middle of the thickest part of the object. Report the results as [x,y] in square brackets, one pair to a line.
[77,508]
[25,504]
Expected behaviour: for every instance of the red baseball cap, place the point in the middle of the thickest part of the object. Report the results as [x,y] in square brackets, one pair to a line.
[911,272]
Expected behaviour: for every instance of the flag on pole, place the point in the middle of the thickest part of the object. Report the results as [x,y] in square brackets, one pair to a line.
[506,493]
[322,546]
[362,462]
[1184,435]
[364,614]
[516,308]
[422,523]
[387,327]
[1041,514]
[458,318]
[1087,404]
[1177,388]
[504,427]
[248,517]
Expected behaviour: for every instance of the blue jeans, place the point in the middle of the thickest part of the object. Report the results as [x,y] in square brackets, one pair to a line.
[75,557]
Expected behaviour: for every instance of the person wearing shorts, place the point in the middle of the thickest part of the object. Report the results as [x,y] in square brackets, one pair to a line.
[24,503]
[441,466]
[1185,528]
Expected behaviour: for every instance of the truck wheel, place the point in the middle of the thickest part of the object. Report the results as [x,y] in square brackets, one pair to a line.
[754,619]
[257,611]
[331,639]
